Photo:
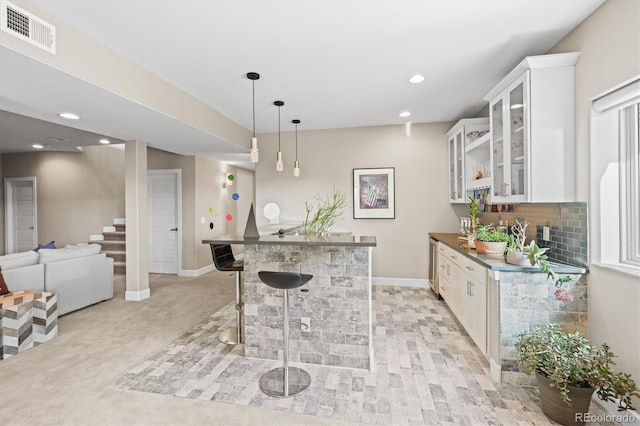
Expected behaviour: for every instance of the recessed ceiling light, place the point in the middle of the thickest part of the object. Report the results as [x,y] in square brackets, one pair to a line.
[69,116]
[417,78]
[37,146]
[56,139]
[105,141]
[516,106]
[405,114]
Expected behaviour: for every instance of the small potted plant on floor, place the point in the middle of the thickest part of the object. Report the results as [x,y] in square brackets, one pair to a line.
[569,369]
[490,241]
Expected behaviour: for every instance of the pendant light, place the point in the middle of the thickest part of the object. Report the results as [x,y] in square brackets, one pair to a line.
[253,76]
[296,164]
[279,164]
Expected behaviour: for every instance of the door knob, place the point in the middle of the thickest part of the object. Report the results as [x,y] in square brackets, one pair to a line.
[174,229]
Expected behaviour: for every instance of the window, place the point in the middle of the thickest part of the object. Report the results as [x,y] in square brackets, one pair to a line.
[614,237]
[630,185]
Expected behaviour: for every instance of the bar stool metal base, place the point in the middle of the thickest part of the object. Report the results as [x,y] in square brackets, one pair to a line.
[230,336]
[272,382]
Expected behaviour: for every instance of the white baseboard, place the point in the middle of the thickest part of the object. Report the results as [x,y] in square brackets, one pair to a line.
[400,282]
[196,272]
[495,371]
[136,296]
[108,229]
[96,237]
[120,221]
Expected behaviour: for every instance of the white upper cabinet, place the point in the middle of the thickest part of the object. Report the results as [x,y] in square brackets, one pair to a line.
[466,134]
[532,131]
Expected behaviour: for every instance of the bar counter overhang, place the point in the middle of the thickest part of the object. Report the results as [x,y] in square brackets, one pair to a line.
[338,300]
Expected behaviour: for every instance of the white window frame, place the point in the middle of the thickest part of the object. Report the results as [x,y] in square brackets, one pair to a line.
[614,235]
[629,186]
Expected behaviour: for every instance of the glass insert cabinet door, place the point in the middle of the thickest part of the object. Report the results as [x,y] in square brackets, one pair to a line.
[510,127]
[497,130]
[456,167]
[517,132]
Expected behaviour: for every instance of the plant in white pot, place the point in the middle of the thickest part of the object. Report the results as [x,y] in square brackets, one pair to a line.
[519,253]
[569,369]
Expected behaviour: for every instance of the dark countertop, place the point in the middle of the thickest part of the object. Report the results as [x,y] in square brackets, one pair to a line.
[498,263]
[344,239]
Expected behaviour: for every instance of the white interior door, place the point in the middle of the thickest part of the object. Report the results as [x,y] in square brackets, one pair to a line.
[164,219]
[21,214]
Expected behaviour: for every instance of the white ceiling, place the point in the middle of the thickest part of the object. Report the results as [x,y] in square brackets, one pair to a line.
[334,63]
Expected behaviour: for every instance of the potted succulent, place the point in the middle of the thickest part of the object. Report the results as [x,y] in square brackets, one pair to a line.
[490,241]
[569,369]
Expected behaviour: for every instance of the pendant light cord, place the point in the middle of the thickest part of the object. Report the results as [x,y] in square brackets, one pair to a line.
[296,141]
[253,85]
[278,128]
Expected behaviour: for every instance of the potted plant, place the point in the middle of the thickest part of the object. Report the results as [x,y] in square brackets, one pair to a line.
[490,241]
[474,210]
[327,213]
[569,369]
[518,253]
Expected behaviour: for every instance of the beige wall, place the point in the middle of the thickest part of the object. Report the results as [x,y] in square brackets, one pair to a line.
[78,193]
[609,43]
[327,158]
[201,189]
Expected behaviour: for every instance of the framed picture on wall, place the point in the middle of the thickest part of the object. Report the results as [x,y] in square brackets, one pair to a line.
[374,193]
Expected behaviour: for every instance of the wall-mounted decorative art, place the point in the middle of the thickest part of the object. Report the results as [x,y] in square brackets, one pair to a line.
[374,193]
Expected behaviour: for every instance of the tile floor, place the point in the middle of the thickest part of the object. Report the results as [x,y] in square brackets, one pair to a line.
[427,371]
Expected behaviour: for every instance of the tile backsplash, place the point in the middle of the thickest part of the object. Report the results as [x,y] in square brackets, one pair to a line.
[568,231]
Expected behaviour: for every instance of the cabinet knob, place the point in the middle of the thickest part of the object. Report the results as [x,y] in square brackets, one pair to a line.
[470,268]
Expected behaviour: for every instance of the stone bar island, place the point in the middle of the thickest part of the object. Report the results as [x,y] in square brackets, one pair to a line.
[336,303]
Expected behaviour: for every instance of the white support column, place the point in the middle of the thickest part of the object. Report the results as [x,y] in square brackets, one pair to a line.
[137,237]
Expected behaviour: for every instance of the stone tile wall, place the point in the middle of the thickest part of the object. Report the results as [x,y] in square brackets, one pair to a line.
[527,300]
[338,303]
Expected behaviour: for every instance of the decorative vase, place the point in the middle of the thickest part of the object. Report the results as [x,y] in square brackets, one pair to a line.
[571,413]
[518,258]
[491,248]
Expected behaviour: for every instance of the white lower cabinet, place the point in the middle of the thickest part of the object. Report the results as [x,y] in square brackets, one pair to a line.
[475,312]
[463,285]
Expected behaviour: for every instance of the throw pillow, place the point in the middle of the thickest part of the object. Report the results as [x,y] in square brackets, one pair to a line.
[3,285]
[49,245]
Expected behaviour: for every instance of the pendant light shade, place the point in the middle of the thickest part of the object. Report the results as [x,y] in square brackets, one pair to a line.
[296,164]
[253,76]
[279,163]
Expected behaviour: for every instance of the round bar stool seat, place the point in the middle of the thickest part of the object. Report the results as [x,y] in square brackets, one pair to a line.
[285,381]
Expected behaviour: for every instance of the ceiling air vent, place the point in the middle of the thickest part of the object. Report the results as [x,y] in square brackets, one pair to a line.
[28,27]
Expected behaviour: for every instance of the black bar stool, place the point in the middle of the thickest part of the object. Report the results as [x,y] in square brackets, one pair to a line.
[224,261]
[285,381]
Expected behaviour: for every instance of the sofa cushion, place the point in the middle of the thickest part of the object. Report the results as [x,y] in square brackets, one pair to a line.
[69,252]
[3,285]
[18,260]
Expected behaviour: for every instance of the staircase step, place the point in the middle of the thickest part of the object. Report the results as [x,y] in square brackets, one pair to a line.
[120,228]
[119,268]
[117,256]
[113,245]
[114,236]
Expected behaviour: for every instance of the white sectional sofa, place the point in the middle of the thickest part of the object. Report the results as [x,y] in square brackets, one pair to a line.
[79,275]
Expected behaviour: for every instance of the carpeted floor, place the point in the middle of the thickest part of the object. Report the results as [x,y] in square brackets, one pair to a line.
[427,371]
